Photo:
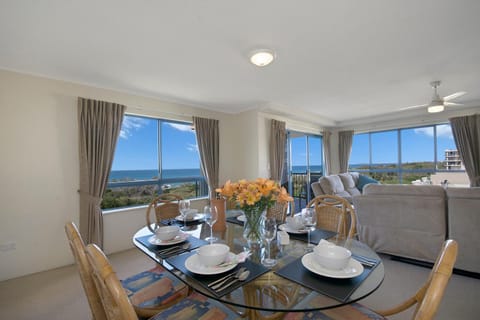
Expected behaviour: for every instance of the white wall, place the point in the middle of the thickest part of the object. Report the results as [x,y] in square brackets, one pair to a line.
[39,168]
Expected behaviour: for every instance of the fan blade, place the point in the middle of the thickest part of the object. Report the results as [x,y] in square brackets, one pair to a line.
[414,107]
[454,95]
[452,104]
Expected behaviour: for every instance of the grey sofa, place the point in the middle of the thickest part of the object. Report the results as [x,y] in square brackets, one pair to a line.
[343,185]
[412,221]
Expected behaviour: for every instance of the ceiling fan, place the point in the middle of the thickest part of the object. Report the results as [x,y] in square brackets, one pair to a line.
[438,104]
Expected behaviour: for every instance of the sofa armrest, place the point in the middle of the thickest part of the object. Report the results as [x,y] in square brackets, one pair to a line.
[463,223]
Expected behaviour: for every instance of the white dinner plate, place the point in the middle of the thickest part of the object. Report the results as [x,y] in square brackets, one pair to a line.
[353,269]
[196,217]
[241,218]
[285,227]
[193,265]
[179,238]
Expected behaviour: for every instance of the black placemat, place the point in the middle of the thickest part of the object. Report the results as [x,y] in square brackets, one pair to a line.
[315,236]
[255,269]
[174,221]
[339,289]
[194,243]
[235,220]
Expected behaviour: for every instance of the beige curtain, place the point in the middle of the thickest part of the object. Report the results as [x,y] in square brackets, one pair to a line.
[327,151]
[278,138]
[99,126]
[345,139]
[208,140]
[466,132]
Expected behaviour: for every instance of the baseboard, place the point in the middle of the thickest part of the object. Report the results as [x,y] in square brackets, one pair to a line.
[429,265]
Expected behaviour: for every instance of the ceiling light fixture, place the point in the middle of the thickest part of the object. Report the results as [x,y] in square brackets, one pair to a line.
[262,58]
[434,108]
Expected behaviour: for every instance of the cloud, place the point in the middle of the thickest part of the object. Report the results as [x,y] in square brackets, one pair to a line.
[443,131]
[192,147]
[181,127]
[131,124]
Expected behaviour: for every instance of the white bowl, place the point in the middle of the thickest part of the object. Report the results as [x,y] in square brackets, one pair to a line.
[213,254]
[332,257]
[294,223]
[167,232]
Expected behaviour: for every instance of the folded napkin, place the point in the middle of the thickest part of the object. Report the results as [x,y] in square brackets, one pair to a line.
[238,258]
[283,238]
[324,242]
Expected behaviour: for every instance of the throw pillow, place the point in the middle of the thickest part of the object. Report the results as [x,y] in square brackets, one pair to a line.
[331,184]
[349,184]
[364,180]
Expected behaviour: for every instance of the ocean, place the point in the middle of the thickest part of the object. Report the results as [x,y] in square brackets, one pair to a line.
[130,175]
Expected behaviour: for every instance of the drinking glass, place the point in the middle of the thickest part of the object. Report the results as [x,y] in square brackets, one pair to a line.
[184,207]
[211,216]
[269,231]
[309,221]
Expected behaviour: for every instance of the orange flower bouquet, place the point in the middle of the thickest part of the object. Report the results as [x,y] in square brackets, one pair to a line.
[254,198]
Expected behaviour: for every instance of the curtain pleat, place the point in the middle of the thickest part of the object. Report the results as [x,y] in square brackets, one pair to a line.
[99,126]
[208,140]
[278,137]
[327,151]
[345,139]
[466,132]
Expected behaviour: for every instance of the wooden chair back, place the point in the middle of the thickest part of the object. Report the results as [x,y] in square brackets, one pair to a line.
[429,296]
[165,206]
[85,269]
[335,213]
[279,211]
[115,300]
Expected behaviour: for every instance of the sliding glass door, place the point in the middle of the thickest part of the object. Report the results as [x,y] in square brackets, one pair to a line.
[305,165]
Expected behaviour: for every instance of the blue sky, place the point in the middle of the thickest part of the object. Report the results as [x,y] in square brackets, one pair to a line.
[137,147]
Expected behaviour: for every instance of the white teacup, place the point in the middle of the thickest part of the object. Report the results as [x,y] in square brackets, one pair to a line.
[213,254]
[331,256]
[294,223]
[167,232]
[190,214]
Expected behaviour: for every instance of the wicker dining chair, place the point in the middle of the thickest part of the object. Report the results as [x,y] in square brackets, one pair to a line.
[335,213]
[119,307]
[139,287]
[427,299]
[279,210]
[165,206]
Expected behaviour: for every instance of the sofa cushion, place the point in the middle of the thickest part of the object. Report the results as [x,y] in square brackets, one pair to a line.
[364,180]
[317,188]
[349,184]
[333,185]
[355,176]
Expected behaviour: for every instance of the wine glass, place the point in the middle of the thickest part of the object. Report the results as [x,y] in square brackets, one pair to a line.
[309,221]
[184,207]
[269,231]
[211,216]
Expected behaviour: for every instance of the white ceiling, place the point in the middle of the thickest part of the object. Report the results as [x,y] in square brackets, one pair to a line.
[336,60]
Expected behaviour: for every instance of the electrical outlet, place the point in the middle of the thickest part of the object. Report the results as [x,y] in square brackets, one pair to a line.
[8,246]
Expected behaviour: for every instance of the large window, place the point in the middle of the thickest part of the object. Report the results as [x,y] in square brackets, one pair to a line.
[407,155]
[153,156]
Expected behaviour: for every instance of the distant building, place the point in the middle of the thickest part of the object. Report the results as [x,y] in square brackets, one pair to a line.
[452,160]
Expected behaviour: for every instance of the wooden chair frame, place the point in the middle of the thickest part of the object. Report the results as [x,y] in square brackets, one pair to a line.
[279,211]
[335,213]
[429,296]
[85,269]
[115,300]
[165,206]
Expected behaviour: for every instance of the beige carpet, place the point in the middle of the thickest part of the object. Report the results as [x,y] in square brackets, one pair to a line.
[58,294]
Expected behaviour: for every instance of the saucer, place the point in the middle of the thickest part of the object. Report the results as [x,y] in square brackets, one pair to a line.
[353,268]
[158,242]
[285,227]
[193,265]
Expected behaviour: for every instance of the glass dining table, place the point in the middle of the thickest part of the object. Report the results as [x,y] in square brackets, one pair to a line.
[295,283]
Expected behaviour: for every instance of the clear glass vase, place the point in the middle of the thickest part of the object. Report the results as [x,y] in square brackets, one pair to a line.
[252,226]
